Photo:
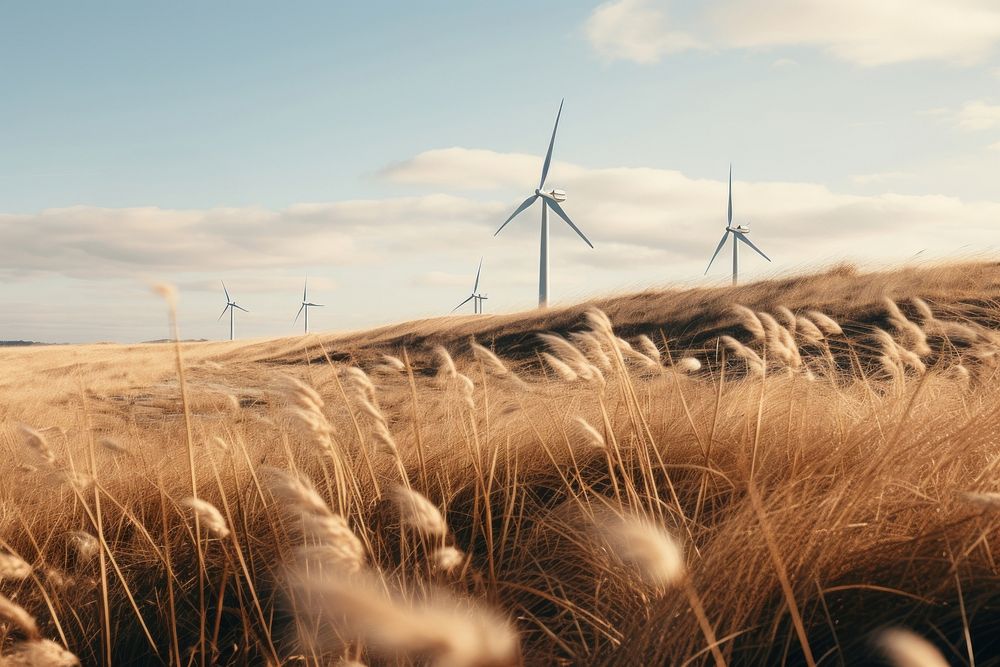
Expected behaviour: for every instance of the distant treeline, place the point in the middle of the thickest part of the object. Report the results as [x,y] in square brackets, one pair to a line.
[17,343]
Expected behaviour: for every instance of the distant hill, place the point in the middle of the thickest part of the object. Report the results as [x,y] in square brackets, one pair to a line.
[19,343]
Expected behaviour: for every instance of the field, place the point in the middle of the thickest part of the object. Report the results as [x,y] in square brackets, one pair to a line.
[798,471]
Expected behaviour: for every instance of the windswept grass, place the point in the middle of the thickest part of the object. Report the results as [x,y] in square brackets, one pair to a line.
[800,472]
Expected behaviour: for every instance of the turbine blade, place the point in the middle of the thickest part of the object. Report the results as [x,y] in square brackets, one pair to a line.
[562,214]
[552,141]
[241,308]
[461,304]
[525,204]
[298,313]
[743,238]
[226,291]
[223,311]
[730,217]
[304,286]
[315,305]
[718,249]
[478,271]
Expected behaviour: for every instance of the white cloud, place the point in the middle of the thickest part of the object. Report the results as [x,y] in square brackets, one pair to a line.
[88,242]
[994,146]
[635,30]
[977,115]
[863,32]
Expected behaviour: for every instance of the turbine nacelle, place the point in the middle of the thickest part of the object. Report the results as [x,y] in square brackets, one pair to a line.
[742,229]
[554,195]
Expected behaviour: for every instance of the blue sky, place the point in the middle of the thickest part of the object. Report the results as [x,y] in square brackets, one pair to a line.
[374,147]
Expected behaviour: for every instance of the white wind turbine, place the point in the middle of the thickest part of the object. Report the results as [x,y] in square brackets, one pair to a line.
[739,233]
[306,305]
[231,307]
[550,199]
[476,298]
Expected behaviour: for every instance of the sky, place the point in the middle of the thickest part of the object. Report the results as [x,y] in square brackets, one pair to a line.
[374,148]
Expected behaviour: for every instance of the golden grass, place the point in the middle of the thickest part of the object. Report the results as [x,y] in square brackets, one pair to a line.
[809,478]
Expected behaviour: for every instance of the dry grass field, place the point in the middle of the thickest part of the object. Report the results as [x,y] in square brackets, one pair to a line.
[798,471]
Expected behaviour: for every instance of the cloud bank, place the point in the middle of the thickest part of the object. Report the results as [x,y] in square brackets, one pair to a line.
[862,32]
[635,216]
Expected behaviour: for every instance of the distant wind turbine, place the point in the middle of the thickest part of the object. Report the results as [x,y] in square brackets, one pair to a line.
[739,233]
[550,199]
[476,298]
[306,306]
[230,306]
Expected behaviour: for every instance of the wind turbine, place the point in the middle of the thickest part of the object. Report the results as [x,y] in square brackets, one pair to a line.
[739,233]
[476,298]
[231,307]
[550,199]
[306,306]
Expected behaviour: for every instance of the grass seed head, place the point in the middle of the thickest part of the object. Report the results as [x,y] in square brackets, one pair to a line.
[808,331]
[754,363]
[320,526]
[826,324]
[84,545]
[446,365]
[419,513]
[987,500]
[300,394]
[788,318]
[630,352]
[37,444]
[15,615]
[562,369]
[436,626]
[208,516]
[490,361]
[593,437]
[447,558]
[925,312]
[688,365]
[648,347]
[383,440]
[650,548]
[393,362]
[13,566]
[906,649]
[167,292]
[590,345]
[599,322]
[565,351]
[749,321]
[39,653]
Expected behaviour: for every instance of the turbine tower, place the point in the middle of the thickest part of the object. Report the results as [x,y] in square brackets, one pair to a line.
[550,199]
[739,233]
[231,307]
[476,298]
[306,306]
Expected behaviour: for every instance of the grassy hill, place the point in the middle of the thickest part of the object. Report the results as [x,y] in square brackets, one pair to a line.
[779,471]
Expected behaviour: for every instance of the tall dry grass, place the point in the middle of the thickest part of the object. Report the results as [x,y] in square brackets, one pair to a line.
[788,481]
